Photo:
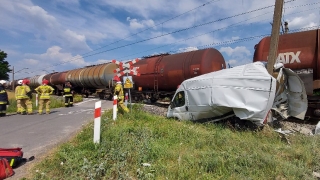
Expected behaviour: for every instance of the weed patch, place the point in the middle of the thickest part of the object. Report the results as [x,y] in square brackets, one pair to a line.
[143,146]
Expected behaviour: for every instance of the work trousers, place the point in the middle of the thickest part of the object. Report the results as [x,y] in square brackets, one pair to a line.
[41,104]
[122,106]
[3,110]
[68,101]
[24,105]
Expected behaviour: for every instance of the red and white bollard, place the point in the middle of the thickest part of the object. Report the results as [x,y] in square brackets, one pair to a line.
[37,100]
[115,104]
[126,100]
[97,122]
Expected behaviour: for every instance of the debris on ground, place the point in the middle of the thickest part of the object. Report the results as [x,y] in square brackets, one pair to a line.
[284,127]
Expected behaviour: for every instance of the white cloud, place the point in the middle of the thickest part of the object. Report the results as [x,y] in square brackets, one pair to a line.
[235,38]
[101,61]
[51,60]
[37,21]
[187,49]
[238,51]
[236,56]
[135,24]
[302,21]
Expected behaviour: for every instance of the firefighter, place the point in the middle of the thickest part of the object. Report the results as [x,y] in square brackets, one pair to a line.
[4,100]
[44,91]
[118,90]
[68,94]
[23,96]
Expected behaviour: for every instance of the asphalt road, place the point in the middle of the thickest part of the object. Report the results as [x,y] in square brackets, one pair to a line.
[38,134]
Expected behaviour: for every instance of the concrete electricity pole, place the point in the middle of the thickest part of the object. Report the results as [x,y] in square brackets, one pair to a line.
[12,83]
[273,50]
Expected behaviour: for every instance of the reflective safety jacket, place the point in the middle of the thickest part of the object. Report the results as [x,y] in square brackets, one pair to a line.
[44,91]
[118,90]
[67,90]
[3,96]
[22,91]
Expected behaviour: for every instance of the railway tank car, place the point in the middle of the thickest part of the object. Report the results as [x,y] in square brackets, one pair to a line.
[160,75]
[36,81]
[300,52]
[92,78]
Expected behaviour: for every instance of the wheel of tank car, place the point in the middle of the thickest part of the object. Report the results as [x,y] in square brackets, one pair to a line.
[110,97]
[101,95]
[153,100]
[317,112]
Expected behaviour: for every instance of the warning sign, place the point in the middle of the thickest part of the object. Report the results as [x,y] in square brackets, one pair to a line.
[127,82]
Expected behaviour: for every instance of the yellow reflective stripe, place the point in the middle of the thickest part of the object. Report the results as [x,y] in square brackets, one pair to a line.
[66,89]
[11,162]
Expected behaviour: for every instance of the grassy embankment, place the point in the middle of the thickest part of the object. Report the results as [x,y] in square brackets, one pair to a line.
[179,150]
[56,102]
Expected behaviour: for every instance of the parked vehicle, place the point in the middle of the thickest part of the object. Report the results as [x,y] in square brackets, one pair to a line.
[247,92]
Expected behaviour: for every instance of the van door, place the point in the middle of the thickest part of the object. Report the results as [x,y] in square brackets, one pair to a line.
[178,107]
[291,98]
[297,96]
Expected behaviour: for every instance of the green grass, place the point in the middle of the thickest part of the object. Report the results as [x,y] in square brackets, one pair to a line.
[179,150]
[56,102]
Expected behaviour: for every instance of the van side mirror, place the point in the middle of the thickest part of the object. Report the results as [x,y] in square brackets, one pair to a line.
[187,108]
[172,105]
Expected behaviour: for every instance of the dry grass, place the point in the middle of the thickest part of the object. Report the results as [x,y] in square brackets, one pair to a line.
[11,95]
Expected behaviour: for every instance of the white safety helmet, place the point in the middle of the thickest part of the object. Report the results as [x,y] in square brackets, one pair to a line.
[20,82]
[3,82]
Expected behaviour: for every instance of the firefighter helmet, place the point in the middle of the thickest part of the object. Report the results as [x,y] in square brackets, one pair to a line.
[25,81]
[45,82]
[3,82]
[19,82]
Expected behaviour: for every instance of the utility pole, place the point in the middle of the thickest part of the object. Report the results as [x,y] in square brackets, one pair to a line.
[12,83]
[273,50]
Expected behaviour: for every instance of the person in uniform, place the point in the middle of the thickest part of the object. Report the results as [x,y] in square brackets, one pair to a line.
[68,94]
[4,100]
[23,96]
[118,90]
[44,91]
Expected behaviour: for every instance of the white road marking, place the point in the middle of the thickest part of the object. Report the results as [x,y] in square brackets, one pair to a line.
[85,101]
[88,111]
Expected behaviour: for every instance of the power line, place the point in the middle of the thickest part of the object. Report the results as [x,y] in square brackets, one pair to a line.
[161,23]
[180,30]
[232,25]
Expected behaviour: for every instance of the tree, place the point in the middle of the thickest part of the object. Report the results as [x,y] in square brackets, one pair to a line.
[4,66]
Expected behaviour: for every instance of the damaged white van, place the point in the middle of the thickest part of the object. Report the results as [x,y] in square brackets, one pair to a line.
[247,91]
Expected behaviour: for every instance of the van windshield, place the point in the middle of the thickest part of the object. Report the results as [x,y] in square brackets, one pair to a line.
[179,99]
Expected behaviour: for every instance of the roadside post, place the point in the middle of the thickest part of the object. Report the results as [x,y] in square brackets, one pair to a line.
[126,100]
[115,106]
[97,122]
[37,100]
[126,69]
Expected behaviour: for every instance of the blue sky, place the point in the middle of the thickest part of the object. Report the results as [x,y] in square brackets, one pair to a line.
[60,35]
